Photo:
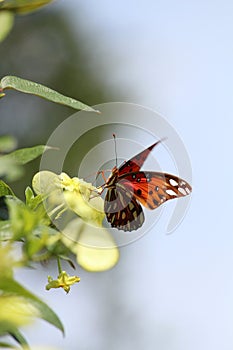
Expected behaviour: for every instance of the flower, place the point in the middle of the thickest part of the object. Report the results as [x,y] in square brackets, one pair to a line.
[83,234]
[63,281]
[79,196]
[83,198]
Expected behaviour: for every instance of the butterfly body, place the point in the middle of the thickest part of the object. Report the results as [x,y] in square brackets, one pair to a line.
[127,187]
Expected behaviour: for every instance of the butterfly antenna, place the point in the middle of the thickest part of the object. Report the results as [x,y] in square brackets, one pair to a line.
[114,136]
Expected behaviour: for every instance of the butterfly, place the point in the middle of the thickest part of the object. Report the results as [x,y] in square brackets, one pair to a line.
[128,188]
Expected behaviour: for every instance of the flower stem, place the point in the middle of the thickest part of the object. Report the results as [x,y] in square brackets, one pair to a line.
[59,265]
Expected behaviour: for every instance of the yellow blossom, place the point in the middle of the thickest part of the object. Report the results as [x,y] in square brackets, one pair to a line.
[85,236]
[63,281]
[80,196]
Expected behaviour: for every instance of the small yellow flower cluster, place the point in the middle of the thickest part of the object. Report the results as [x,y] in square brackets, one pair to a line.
[76,184]
[83,198]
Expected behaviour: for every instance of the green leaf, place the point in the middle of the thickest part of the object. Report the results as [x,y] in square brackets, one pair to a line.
[6,23]
[8,285]
[33,201]
[29,195]
[9,328]
[9,168]
[7,143]
[7,346]
[5,190]
[10,164]
[29,87]
[23,220]
[23,6]
[17,335]
[25,155]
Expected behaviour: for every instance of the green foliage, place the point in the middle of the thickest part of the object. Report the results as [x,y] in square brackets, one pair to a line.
[27,223]
[6,23]
[33,223]
[18,305]
[8,9]
[25,155]
[5,190]
[7,143]
[10,287]
[11,163]
[30,87]
[22,6]
[30,225]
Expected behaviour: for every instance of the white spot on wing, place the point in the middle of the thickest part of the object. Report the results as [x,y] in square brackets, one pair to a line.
[173,182]
[182,190]
[188,190]
[171,192]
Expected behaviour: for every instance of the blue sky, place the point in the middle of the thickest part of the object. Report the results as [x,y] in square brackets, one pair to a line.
[175,292]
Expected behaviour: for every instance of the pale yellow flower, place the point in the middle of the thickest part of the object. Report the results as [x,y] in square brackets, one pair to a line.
[80,196]
[93,245]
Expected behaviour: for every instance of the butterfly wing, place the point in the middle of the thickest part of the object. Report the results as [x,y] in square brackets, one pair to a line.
[154,188]
[122,209]
[127,186]
[136,162]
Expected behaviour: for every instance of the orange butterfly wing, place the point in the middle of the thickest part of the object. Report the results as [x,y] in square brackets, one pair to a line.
[128,185]
[154,188]
[135,163]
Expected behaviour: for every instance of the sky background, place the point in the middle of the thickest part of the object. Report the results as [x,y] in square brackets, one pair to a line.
[168,292]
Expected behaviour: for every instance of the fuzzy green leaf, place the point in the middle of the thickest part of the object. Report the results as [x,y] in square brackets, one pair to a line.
[29,87]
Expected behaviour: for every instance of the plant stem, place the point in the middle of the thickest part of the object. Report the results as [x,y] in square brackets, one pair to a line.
[59,265]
